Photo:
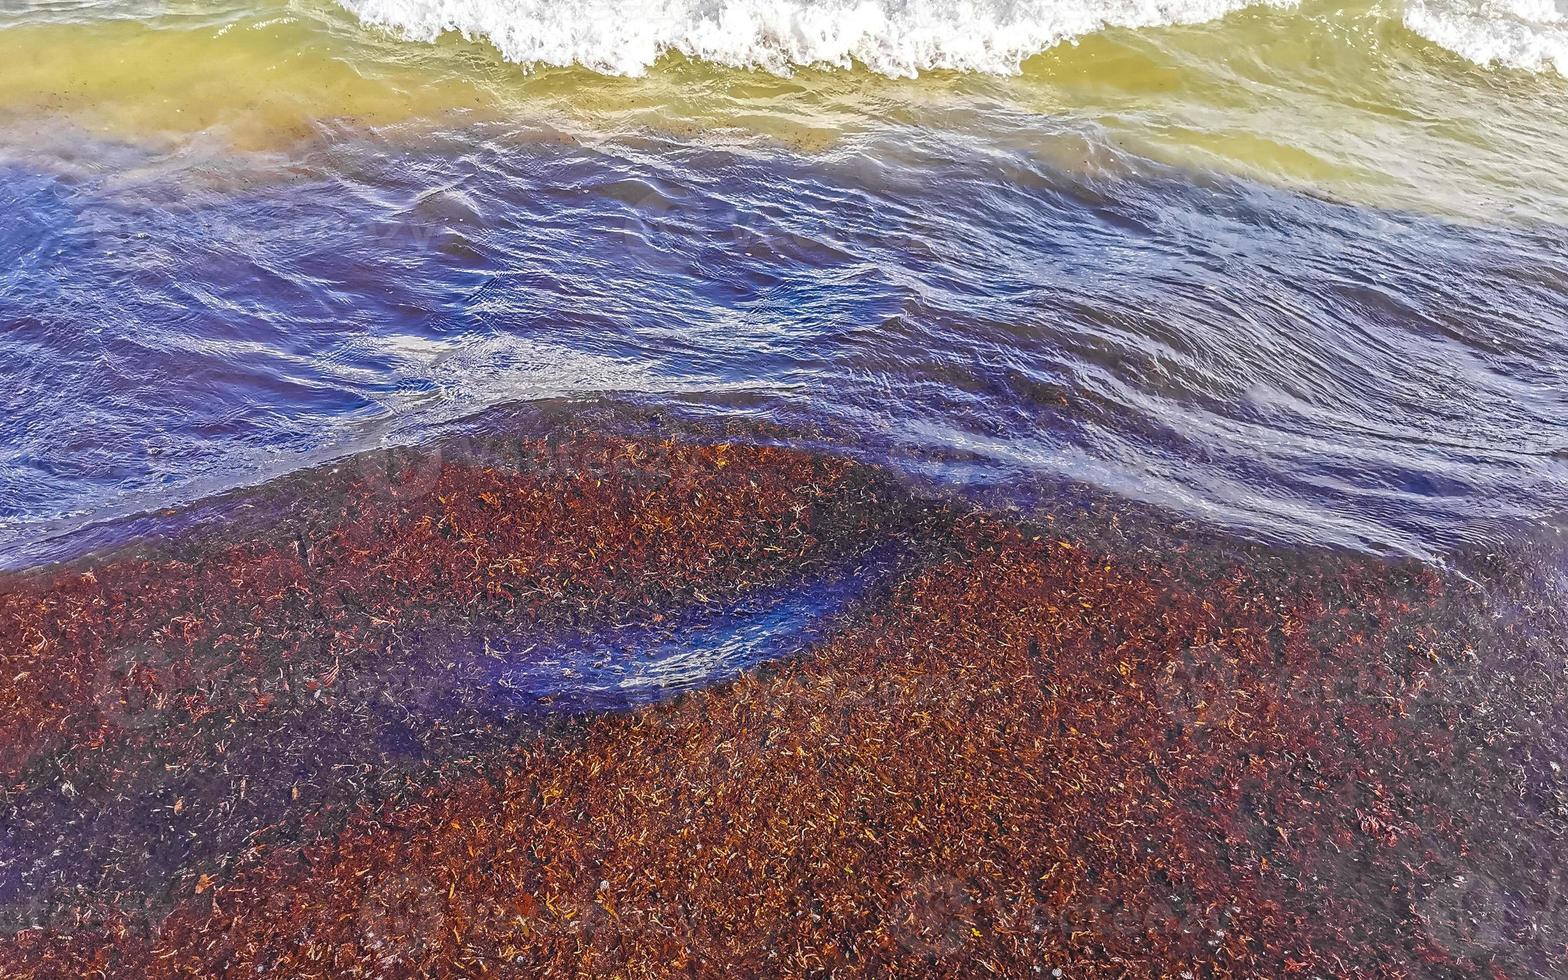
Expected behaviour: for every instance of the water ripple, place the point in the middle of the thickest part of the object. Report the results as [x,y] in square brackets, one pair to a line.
[1289,366]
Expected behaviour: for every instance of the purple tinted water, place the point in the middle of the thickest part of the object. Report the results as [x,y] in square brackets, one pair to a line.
[1290,367]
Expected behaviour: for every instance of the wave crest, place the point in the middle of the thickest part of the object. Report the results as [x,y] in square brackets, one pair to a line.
[899,38]
[1526,34]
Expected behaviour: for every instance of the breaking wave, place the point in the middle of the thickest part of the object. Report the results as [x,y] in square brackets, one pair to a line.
[901,38]
[891,37]
[1527,34]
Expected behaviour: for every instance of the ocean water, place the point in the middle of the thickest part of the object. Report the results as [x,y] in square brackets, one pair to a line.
[1298,270]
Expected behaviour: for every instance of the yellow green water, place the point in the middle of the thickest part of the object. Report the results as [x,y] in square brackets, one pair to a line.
[1345,102]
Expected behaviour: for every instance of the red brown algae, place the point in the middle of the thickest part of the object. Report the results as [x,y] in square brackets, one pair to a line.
[596,531]
[1041,752]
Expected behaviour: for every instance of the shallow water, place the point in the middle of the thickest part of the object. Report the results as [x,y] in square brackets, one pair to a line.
[1299,271]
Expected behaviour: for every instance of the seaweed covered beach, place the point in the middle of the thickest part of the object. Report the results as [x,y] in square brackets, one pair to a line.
[652,698]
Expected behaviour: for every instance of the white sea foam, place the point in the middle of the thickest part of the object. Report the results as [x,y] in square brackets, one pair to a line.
[894,37]
[1527,34]
[902,37]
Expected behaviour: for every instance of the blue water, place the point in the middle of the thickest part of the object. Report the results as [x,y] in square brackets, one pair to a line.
[620,669]
[1288,366]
